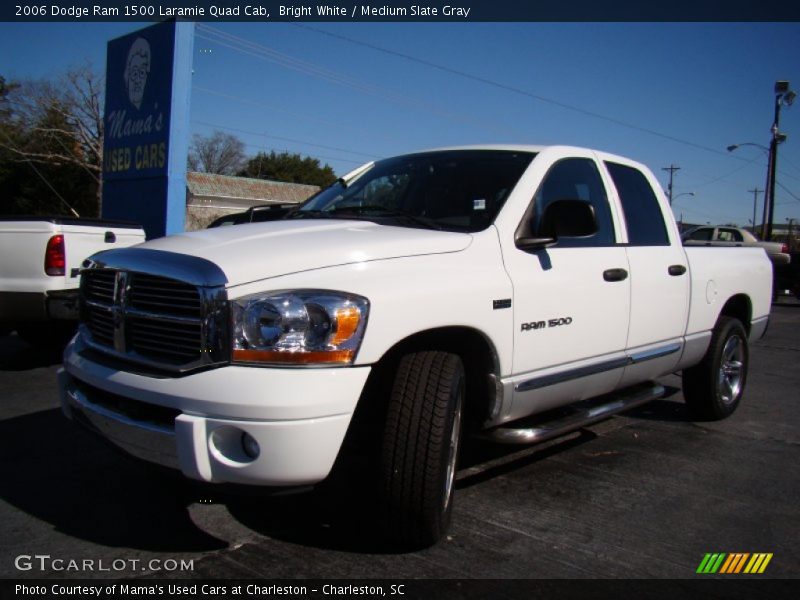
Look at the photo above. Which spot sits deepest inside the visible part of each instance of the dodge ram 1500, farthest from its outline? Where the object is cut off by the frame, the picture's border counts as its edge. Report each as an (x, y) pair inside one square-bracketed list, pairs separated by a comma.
[(474, 290)]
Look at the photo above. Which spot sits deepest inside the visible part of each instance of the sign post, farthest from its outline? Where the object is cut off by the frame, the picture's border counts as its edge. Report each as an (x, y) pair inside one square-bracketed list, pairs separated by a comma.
[(146, 137)]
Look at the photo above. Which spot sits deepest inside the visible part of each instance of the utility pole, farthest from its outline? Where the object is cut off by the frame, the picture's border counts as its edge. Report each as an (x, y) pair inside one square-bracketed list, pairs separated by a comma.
[(783, 95), (671, 169), (790, 240), (755, 193)]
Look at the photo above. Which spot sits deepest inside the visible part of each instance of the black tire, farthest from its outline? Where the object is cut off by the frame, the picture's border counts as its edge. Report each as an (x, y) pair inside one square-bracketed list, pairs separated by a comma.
[(420, 447), (714, 387)]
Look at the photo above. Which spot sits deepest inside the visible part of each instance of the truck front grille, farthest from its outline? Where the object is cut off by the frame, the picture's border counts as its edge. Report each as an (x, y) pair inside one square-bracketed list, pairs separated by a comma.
[(151, 319), (162, 295), (100, 286)]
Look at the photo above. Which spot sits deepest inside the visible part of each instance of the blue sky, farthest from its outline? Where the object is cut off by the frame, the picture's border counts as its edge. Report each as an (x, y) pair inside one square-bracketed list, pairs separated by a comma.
[(288, 87)]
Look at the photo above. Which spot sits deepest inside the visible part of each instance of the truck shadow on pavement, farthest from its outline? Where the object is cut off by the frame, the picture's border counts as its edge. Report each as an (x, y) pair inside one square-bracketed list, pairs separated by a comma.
[(61, 475), (670, 408), (18, 355), (83, 488), (338, 515)]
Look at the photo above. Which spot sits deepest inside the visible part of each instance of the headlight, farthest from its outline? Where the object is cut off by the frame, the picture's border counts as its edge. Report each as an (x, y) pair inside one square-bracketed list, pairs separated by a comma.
[(298, 327)]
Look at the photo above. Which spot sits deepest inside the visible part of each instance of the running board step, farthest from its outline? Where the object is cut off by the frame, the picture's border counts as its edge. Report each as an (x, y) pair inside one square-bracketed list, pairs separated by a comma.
[(582, 414)]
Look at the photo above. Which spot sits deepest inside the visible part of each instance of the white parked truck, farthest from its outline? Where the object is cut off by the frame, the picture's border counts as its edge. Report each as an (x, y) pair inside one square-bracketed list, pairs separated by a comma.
[(40, 262), (462, 290)]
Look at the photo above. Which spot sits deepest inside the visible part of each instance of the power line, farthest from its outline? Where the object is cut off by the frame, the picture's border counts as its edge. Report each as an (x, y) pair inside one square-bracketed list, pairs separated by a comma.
[(273, 107), (39, 173), (512, 89), (275, 149), (261, 52), (787, 190), (279, 109), (728, 174), (285, 139)]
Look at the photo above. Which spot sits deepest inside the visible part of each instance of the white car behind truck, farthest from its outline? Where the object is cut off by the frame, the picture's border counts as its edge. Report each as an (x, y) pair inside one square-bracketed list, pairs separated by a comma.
[(733, 237), (40, 262), (465, 290)]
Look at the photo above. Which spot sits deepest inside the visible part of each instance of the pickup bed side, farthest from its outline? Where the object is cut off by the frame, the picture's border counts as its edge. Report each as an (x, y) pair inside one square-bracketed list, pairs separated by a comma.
[(29, 294)]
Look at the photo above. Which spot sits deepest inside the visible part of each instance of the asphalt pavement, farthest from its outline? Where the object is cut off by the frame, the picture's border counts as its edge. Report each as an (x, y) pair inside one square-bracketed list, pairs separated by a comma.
[(643, 495)]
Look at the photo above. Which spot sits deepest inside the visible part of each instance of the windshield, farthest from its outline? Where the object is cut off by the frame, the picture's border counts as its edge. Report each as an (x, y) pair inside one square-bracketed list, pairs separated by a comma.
[(453, 190)]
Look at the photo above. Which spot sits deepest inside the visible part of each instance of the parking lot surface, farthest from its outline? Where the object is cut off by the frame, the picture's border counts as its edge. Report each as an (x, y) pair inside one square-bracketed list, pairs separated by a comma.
[(643, 495)]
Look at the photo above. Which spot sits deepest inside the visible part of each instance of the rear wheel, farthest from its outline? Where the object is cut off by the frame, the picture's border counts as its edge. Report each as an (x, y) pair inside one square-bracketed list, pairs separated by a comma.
[(420, 446), (714, 388)]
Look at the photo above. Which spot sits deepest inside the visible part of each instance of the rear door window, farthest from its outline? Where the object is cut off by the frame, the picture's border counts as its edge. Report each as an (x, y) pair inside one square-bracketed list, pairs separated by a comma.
[(643, 216)]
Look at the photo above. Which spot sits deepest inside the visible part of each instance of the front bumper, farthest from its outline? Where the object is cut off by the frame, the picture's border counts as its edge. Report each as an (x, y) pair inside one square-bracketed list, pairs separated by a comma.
[(195, 423)]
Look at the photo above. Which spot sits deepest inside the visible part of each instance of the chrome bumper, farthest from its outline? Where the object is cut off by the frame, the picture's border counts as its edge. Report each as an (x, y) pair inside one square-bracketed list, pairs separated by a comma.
[(148, 441)]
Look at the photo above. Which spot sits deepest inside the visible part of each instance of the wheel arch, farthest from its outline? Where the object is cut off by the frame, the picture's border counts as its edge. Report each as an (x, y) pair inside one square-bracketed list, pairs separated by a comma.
[(739, 307), (477, 352)]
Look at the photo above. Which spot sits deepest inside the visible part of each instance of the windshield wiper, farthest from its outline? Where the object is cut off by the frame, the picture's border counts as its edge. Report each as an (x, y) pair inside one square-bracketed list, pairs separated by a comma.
[(388, 212), (309, 214)]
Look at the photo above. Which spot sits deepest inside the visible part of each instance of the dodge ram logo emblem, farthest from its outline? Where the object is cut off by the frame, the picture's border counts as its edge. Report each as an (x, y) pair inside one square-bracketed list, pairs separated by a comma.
[(121, 288)]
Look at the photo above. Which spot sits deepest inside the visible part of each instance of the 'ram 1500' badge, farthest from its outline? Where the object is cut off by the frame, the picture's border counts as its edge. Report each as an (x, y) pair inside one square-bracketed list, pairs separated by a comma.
[(542, 324)]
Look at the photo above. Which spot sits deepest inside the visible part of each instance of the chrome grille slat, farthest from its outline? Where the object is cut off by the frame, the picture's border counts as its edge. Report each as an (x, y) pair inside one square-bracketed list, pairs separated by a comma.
[(159, 295), (164, 303), (173, 350), (102, 287), (145, 318), (161, 317), (184, 338), (164, 329)]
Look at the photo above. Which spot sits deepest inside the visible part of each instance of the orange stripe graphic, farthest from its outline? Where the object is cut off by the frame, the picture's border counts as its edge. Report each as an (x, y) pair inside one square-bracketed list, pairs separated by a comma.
[(741, 562), (728, 562)]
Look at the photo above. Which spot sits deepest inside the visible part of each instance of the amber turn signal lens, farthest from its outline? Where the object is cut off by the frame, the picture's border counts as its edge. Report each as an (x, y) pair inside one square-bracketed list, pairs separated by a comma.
[(347, 320)]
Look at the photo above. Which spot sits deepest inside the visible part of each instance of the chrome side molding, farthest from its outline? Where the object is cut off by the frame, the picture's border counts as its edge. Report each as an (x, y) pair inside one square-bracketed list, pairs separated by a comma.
[(609, 365)]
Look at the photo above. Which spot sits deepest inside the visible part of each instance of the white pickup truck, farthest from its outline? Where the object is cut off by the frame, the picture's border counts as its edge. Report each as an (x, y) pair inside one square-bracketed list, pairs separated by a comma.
[(472, 290), (40, 261)]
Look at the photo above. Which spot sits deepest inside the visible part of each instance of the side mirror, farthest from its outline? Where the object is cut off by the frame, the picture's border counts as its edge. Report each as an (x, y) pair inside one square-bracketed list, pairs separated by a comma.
[(562, 218)]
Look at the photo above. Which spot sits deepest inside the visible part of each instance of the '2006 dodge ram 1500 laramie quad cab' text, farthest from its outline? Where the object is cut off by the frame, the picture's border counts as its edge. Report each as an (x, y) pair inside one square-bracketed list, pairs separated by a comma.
[(464, 289)]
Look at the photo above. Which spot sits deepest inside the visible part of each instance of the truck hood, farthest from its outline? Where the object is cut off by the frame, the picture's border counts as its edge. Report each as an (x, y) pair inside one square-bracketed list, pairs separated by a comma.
[(256, 251)]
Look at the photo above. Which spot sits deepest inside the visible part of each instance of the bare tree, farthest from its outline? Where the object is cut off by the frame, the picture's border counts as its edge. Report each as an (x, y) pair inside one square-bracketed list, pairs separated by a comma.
[(62, 122), (220, 153)]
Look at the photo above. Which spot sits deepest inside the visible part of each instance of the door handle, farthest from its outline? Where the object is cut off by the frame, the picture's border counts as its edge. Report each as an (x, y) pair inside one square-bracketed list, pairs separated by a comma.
[(677, 270), (615, 274)]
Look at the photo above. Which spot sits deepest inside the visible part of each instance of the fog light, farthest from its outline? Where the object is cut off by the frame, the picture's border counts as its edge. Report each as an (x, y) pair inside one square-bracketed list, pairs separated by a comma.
[(250, 445)]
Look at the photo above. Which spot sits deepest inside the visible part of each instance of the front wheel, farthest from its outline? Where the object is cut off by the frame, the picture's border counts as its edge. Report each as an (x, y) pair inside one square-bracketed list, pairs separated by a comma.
[(714, 388), (420, 447)]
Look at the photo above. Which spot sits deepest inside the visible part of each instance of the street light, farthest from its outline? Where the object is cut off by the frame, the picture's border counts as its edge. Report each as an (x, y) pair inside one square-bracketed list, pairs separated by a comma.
[(780, 139), (733, 147), (682, 194)]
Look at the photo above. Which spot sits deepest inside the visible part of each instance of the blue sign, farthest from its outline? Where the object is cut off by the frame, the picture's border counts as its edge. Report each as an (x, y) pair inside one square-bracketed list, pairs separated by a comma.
[(146, 136)]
